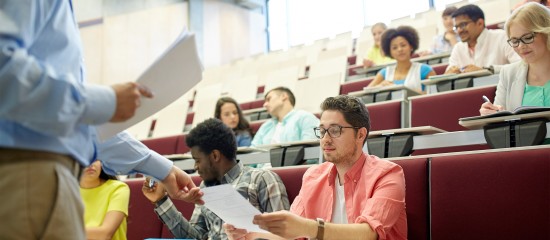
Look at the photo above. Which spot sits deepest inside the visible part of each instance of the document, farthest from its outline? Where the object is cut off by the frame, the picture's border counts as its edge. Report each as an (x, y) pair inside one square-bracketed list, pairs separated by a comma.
[(231, 207), (176, 71)]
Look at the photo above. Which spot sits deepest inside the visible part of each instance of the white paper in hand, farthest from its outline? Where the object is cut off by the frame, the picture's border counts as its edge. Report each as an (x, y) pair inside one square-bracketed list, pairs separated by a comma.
[(169, 77), (231, 207)]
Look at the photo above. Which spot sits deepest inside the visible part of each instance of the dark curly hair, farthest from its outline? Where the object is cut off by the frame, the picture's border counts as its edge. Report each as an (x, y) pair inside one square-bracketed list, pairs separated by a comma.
[(472, 11), (243, 125), (409, 33), (212, 135), (354, 110)]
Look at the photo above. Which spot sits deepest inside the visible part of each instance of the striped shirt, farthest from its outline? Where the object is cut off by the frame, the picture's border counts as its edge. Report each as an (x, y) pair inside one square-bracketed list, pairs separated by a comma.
[(263, 189)]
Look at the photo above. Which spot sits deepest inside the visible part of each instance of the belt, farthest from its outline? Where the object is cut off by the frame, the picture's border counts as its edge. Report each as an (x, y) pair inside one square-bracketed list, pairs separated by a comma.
[(11, 155)]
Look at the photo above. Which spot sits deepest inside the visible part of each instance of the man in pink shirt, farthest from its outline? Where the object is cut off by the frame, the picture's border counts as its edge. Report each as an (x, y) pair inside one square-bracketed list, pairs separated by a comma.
[(352, 195)]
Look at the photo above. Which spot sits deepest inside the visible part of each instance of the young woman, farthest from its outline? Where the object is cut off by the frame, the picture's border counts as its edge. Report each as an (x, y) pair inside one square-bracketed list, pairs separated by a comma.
[(525, 83), (375, 55), (400, 44), (105, 203), (229, 112)]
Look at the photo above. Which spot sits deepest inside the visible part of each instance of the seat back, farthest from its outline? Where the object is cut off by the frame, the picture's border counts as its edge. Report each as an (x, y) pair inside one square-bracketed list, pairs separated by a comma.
[(385, 115), (491, 195), (442, 110), (292, 178), (142, 220), (416, 198)]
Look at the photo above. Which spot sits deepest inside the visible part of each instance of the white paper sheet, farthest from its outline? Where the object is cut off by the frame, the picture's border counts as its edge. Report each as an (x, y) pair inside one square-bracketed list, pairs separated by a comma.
[(169, 77), (231, 207)]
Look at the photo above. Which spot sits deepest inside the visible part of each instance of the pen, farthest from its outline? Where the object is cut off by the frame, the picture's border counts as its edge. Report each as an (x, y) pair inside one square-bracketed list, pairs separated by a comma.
[(151, 183), (486, 99)]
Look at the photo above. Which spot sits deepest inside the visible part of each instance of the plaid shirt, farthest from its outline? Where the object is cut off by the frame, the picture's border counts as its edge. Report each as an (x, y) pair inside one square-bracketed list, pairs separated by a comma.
[(263, 189)]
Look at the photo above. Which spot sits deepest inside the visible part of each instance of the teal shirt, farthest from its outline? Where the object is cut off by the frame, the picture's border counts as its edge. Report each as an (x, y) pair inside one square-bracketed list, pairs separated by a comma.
[(297, 126), (538, 96)]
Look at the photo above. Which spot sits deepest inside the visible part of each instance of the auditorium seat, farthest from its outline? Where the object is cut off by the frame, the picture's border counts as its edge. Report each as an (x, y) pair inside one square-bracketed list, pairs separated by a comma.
[(354, 86), (416, 198), (386, 115), (440, 68), (292, 178), (497, 194), (142, 220), (442, 110), (165, 145)]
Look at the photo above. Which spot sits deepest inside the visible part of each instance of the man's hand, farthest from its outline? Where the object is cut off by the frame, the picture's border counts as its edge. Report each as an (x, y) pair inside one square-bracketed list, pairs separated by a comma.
[(470, 68), (180, 186), (155, 193), (234, 233), (286, 224), (453, 69), (128, 99)]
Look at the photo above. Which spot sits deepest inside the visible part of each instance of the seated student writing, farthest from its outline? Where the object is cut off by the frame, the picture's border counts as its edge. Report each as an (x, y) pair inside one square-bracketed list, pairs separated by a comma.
[(526, 82), (214, 149), (105, 203), (229, 111), (400, 44)]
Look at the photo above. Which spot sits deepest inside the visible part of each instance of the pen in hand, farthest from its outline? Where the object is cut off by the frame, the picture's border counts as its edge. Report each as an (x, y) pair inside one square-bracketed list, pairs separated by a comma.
[(486, 99)]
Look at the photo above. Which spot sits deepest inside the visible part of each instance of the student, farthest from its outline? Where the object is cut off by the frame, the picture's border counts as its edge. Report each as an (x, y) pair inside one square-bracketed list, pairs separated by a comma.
[(105, 203), (527, 82), (229, 111), (352, 194), (214, 149), (375, 55), (446, 41), (400, 44), (480, 48), (287, 124)]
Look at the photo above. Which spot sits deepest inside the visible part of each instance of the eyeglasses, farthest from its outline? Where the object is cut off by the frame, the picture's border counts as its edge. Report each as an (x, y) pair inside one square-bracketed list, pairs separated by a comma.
[(462, 25), (333, 131), (527, 38)]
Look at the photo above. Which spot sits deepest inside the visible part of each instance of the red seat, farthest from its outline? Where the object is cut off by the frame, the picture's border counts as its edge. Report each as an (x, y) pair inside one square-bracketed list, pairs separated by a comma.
[(385, 115), (189, 119), (442, 110), (164, 145), (491, 195), (354, 86), (416, 198), (142, 220), (292, 178), (440, 69)]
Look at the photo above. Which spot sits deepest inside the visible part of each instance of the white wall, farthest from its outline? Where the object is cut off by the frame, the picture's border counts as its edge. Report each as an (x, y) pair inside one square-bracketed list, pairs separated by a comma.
[(231, 32), (123, 46)]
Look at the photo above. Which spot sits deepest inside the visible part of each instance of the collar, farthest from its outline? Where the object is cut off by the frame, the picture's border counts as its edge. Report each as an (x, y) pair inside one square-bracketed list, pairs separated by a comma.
[(233, 173), (353, 174), (481, 38)]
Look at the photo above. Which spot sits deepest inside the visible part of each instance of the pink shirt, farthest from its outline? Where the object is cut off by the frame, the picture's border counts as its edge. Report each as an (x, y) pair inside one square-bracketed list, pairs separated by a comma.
[(374, 191)]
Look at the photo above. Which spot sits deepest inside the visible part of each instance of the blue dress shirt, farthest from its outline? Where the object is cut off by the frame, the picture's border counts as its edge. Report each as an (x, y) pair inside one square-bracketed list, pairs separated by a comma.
[(45, 103)]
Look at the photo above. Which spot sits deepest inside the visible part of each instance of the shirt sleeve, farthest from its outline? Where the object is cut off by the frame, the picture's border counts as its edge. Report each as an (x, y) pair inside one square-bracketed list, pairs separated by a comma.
[(387, 203), (259, 137), (32, 92), (123, 154), (272, 193), (178, 225), (383, 73), (454, 57), (120, 198), (425, 69), (309, 121)]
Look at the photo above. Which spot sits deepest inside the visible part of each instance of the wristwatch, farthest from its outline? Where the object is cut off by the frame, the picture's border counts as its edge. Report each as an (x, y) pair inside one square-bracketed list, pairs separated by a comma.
[(491, 69), (320, 229)]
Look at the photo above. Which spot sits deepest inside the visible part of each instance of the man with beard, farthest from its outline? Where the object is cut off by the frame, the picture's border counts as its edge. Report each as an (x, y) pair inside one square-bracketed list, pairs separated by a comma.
[(214, 148), (352, 195), (480, 48)]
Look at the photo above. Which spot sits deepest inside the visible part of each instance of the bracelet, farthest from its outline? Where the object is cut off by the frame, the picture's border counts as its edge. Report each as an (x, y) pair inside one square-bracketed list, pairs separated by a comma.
[(320, 229)]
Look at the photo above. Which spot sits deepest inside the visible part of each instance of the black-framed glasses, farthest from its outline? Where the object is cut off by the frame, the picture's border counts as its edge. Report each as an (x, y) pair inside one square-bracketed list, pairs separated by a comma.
[(527, 38), (462, 25), (333, 131)]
